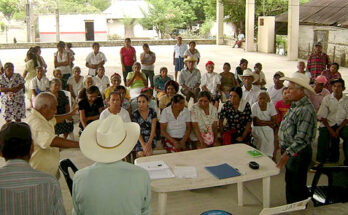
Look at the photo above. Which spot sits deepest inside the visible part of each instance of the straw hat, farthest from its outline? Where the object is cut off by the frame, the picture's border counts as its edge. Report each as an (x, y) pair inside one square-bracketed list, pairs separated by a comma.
[(190, 58), (300, 79), (109, 140), (249, 73)]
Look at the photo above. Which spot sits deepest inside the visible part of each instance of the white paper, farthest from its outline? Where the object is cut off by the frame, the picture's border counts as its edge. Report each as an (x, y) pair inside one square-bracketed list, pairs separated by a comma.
[(185, 172), (157, 169)]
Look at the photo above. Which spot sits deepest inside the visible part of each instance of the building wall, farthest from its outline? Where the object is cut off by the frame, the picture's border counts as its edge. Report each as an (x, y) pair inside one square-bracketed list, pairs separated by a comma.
[(72, 27), (16, 30), (116, 27), (337, 46)]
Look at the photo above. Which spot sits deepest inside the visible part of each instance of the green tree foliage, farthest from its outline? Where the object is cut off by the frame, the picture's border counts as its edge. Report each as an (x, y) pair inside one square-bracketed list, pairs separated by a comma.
[(9, 7)]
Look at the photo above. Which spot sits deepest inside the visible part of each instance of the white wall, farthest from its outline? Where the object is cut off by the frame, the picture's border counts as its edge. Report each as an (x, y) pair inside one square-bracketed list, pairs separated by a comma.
[(72, 27), (228, 29)]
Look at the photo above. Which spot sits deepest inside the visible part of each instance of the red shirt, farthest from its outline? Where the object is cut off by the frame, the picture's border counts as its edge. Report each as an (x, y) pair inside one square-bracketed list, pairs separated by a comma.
[(128, 55), (282, 109)]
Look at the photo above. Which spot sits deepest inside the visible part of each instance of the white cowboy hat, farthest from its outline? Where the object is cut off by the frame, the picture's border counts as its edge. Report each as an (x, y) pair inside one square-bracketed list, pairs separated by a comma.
[(249, 73), (300, 79), (109, 140)]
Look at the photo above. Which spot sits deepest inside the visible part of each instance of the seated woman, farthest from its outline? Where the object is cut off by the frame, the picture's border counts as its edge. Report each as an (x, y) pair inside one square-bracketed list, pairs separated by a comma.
[(124, 102), (175, 125), (146, 118), (331, 74), (115, 82), (265, 123), (148, 92), (161, 81), (227, 82), (75, 82), (63, 107), (211, 82), (115, 108), (101, 80), (237, 112), (90, 107), (204, 119), (57, 74), (136, 80), (170, 89), (88, 82), (40, 83)]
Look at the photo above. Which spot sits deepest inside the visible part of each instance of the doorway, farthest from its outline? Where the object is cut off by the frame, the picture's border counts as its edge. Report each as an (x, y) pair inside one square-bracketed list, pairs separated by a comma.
[(89, 29)]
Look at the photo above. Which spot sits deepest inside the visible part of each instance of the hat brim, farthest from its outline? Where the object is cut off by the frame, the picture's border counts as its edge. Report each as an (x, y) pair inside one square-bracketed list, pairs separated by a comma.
[(90, 148), (254, 77), (299, 82), (187, 60)]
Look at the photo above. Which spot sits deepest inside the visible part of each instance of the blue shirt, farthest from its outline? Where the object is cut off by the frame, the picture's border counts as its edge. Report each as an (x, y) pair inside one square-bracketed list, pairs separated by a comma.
[(159, 82), (111, 188)]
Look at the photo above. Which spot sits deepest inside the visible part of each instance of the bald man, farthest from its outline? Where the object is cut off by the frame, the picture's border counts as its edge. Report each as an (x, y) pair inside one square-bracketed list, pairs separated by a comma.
[(42, 120)]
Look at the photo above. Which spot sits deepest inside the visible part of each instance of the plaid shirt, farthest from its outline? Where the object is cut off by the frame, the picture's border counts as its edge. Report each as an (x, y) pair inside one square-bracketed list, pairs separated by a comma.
[(297, 130), (317, 64)]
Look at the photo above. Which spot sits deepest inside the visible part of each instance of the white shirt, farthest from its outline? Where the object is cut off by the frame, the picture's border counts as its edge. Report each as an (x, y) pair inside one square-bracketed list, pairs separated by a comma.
[(42, 85), (261, 77), (76, 86), (241, 36), (0, 64), (123, 114), (148, 59), (176, 127), (211, 80), (101, 83), (333, 110), (94, 59), (180, 50), (64, 69), (250, 96), (275, 94)]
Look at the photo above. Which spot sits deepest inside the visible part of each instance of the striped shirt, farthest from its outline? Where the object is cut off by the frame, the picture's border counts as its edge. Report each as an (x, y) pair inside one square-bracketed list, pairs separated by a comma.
[(25, 191), (298, 127)]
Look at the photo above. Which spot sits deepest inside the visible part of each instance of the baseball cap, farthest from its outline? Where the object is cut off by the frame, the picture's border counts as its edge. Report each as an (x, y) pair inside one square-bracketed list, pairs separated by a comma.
[(281, 74)]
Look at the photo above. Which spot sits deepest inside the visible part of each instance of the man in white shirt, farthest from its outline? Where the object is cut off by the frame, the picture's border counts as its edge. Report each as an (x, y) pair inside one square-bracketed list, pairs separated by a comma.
[(178, 56), (275, 92), (250, 94), (333, 114), (101, 80), (95, 59)]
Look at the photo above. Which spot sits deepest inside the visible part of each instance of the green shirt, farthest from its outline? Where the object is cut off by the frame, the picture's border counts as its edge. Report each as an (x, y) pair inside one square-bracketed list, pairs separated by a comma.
[(111, 188), (138, 82), (298, 128)]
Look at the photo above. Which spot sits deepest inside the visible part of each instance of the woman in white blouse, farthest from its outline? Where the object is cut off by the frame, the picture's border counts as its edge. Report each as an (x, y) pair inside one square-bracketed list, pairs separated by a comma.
[(62, 61), (75, 82), (175, 125), (204, 118)]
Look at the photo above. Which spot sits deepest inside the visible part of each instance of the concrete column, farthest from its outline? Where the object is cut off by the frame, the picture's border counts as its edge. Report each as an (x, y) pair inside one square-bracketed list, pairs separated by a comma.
[(249, 25), (293, 29), (220, 22)]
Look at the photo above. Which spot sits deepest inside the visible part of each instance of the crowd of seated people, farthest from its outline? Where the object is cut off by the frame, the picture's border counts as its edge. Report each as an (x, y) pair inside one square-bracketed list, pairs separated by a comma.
[(228, 107)]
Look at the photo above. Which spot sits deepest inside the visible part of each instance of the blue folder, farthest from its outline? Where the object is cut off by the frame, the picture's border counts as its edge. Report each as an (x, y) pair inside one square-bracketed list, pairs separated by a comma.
[(223, 171)]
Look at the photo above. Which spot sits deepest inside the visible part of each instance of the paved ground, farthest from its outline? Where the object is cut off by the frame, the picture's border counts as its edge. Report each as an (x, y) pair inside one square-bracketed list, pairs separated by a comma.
[(197, 201)]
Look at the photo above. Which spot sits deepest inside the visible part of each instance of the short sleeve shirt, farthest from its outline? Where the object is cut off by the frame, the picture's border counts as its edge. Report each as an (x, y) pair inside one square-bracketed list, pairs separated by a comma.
[(148, 59), (138, 82), (180, 50), (41, 85), (123, 114), (263, 115), (190, 79), (335, 111), (76, 86), (211, 80), (101, 83), (145, 125), (204, 121), (275, 94), (91, 110), (94, 59), (128, 55), (160, 83), (282, 109), (14, 81), (176, 127), (236, 119)]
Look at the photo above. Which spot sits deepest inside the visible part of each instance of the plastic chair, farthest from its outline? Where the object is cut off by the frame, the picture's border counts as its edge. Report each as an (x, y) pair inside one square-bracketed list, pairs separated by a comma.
[(337, 189), (216, 212), (64, 166)]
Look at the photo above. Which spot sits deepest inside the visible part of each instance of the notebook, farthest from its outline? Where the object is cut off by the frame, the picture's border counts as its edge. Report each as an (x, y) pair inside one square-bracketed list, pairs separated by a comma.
[(223, 171), (157, 169)]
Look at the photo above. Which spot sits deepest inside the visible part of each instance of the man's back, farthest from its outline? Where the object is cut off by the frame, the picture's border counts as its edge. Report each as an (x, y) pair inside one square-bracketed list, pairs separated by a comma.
[(24, 190), (112, 188)]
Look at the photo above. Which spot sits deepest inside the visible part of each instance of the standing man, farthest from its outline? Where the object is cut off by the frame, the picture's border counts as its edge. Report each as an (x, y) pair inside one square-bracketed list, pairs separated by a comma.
[(128, 57), (190, 79), (178, 56), (333, 114), (317, 61), (42, 120), (95, 59), (296, 134), (110, 186)]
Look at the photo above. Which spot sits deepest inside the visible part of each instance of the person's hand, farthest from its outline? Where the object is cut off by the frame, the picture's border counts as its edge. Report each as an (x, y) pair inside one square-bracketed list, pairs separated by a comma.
[(283, 160), (148, 149), (333, 133), (338, 130), (239, 139), (174, 62), (177, 145)]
